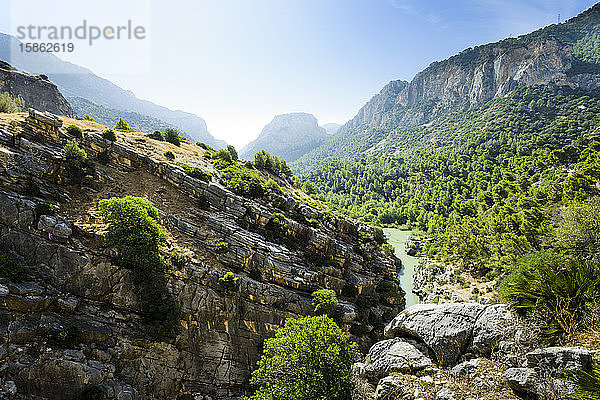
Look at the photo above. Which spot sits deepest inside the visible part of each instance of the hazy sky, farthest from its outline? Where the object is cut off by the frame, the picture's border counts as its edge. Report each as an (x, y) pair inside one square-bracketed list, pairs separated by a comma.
[(238, 63)]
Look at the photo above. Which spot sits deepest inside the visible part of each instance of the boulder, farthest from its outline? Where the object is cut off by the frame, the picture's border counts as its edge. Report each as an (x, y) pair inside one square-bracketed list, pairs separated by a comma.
[(494, 324), (445, 394), (555, 360), (396, 355), (523, 380), (464, 368), (445, 328), (390, 388)]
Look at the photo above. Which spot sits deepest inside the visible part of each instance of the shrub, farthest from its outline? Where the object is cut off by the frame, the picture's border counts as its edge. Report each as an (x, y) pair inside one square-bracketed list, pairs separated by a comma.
[(9, 269), (222, 159), (560, 291), (92, 393), (279, 167), (123, 126), (109, 134), (44, 209), (587, 383), (579, 232), (10, 104), (169, 155), (197, 173), (156, 135), (76, 131), (309, 188), (76, 162), (277, 226), (179, 259), (388, 249), (324, 302), (221, 247), (172, 136), (232, 152), (243, 181), (67, 338), (205, 146), (309, 358), (43, 76), (88, 117), (273, 186), (230, 282)]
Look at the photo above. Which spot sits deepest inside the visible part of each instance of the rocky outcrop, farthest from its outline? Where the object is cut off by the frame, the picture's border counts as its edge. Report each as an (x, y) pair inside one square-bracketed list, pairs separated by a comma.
[(288, 136), (36, 92), (76, 320), (394, 355)]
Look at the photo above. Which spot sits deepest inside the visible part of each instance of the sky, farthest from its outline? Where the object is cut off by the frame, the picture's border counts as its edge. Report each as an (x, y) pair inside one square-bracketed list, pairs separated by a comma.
[(238, 63)]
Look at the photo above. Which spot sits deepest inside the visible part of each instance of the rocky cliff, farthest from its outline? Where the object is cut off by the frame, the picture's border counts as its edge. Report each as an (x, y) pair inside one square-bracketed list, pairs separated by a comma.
[(36, 92), (288, 136), (74, 320)]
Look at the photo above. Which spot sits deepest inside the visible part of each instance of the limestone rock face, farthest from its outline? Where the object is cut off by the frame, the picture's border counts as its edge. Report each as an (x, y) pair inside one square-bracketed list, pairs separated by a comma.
[(396, 355), (445, 328), (36, 92), (495, 323), (74, 290)]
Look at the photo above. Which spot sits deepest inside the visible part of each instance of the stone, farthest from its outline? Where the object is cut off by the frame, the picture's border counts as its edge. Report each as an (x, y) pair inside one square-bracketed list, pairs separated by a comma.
[(389, 388), (554, 360), (47, 223), (523, 380), (465, 367), (445, 394), (494, 324), (396, 355), (445, 328)]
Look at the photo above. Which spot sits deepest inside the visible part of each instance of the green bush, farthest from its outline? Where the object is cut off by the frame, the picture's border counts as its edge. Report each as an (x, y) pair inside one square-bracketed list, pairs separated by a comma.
[(277, 226), (92, 393), (279, 167), (560, 291), (197, 173), (387, 249), (9, 269), (230, 282), (309, 358), (157, 135), (123, 126), (243, 181), (32, 189), (324, 301), (67, 338), (271, 185), (77, 166), (43, 76), (88, 117), (109, 134), (309, 188), (172, 136), (205, 146), (221, 247), (10, 104), (169, 155), (587, 383), (388, 289), (179, 259), (76, 131), (222, 159), (232, 152)]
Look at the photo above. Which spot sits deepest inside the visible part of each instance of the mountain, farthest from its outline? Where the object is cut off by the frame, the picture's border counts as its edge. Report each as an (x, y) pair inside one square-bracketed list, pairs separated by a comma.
[(331, 128), (287, 136), (190, 319), (76, 81), (562, 55), (35, 91)]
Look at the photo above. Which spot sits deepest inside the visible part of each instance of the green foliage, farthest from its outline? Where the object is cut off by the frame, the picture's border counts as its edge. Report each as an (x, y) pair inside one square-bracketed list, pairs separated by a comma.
[(134, 231), (169, 155), (10, 104), (179, 259), (324, 302), (221, 247), (92, 393), (309, 358), (277, 227), (66, 338), (9, 269), (579, 231), (387, 249), (273, 186), (76, 131), (587, 383), (109, 134), (157, 135), (76, 163), (265, 161), (309, 188), (559, 290), (172, 136), (232, 152), (205, 147), (123, 126), (587, 48), (230, 282), (196, 172), (222, 159), (243, 181), (44, 77), (88, 117)]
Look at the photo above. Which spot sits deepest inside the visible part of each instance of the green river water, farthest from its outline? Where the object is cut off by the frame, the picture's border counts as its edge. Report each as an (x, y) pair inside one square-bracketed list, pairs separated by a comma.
[(397, 238)]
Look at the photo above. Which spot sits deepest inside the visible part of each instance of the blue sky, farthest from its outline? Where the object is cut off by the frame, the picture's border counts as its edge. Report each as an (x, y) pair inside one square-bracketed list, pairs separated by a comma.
[(237, 63)]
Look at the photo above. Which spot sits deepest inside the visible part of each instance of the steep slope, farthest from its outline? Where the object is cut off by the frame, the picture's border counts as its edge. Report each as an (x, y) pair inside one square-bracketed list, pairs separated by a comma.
[(75, 81), (331, 128), (559, 55), (288, 136), (35, 91), (75, 318)]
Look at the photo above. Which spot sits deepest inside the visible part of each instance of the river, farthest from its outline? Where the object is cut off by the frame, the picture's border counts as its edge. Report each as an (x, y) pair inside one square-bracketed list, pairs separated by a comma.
[(397, 238)]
